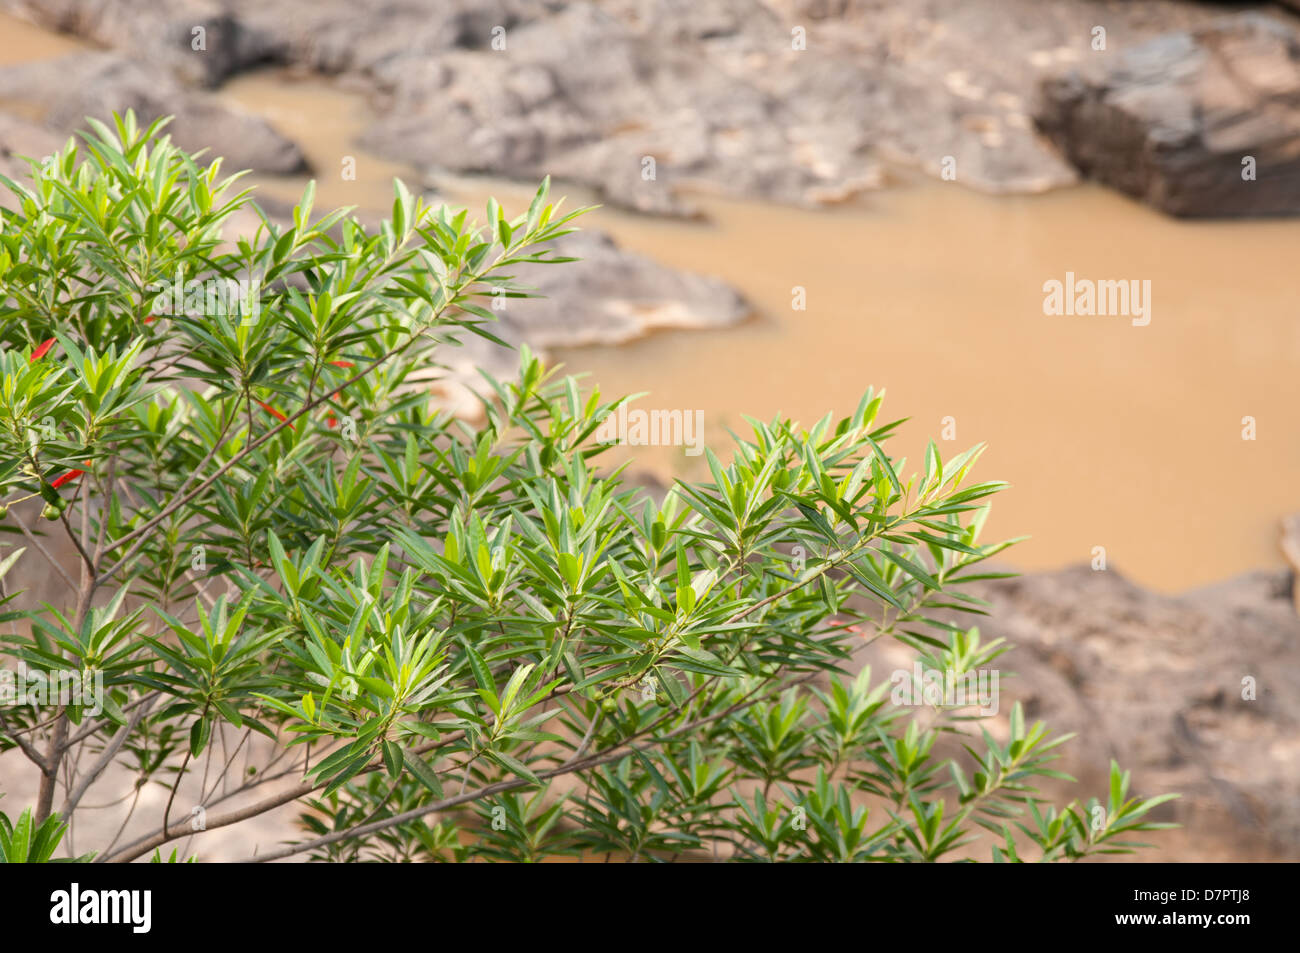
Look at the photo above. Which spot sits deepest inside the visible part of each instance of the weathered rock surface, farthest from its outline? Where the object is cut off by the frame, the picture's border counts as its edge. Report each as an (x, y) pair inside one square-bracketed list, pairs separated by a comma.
[(1157, 683), (1197, 123), (21, 140), (202, 41), (65, 91), (633, 111), (803, 101), (608, 296)]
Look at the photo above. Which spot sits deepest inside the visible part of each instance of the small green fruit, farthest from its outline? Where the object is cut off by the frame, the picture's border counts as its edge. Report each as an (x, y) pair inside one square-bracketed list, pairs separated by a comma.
[(609, 704), (661, 700), (4, 510), (51, 512)]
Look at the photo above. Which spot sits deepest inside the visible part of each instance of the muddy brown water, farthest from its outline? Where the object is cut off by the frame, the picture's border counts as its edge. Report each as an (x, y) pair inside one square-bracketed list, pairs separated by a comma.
[(1112, 435)]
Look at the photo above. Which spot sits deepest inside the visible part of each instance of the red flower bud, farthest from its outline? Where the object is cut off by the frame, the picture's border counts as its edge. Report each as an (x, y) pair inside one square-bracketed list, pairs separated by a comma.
[(272, 411), (67, 478)]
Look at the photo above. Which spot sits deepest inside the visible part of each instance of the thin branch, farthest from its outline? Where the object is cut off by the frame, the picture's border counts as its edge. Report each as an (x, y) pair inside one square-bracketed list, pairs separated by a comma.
[(126, 820), (193, 474), (140, 534), (105, 759), (27, 747), (612, 754), (88, 565), (40, 547), (95, 728)]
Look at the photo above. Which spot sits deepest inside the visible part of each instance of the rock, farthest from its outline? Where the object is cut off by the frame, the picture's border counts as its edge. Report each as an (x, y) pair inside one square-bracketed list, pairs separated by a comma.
[(1177, 122), (1289, 542), (800, 102), (609, 296), (21, 140), (644, 101), (1159, 683), (636, 104), (67, 90), (202, 41), (587, 98), (341, 36)]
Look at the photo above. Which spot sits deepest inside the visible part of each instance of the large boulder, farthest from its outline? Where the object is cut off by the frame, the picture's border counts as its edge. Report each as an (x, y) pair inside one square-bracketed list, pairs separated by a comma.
[(636, 109), (202, 41), (21, 140), (1204, 122), (645, 101), (608, 296), (63, 92)]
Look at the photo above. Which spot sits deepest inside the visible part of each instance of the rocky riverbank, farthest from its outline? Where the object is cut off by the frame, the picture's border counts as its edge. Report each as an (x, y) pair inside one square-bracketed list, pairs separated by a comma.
[(1203, 122), (805, 101)]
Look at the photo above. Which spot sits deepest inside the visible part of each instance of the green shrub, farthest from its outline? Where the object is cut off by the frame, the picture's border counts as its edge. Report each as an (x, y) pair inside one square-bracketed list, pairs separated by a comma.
[(458, 643), (29, 843)]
